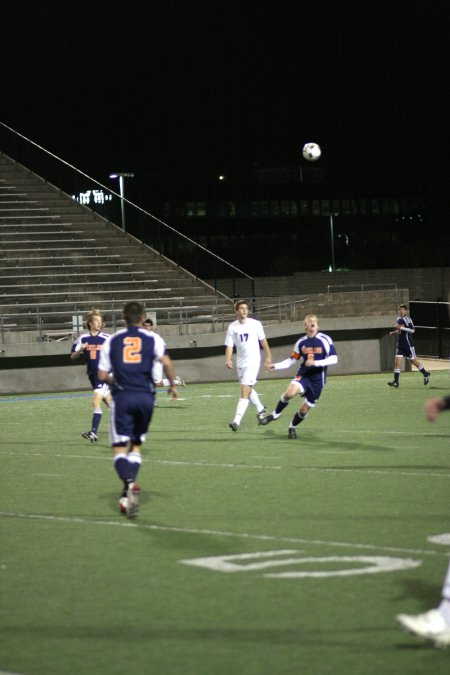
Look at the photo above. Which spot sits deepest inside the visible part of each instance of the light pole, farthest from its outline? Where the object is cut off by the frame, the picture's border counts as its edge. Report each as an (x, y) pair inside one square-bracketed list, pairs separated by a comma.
[(121, 176), (332, 242)]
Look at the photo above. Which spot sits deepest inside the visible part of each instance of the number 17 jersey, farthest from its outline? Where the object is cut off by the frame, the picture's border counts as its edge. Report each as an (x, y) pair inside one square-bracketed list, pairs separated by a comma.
[(245, 337)]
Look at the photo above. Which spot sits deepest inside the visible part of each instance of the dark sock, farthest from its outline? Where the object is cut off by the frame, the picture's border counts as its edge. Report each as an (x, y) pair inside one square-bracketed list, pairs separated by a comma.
[(96, 418), (123, 468), (297, 419), (281, 405)]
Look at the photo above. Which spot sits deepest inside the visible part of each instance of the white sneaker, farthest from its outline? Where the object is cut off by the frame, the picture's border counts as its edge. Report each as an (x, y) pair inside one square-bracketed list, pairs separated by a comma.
[(123, 504), (431, 625), (132, 508)]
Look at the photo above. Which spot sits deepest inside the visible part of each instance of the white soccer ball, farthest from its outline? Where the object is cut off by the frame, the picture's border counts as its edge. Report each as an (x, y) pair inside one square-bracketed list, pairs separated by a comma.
[(311, 151)]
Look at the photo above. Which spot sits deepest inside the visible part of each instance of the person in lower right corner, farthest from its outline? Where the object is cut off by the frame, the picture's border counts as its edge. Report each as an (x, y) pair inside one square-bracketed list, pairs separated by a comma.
[(405, 330), (315, 351), (435, 624)]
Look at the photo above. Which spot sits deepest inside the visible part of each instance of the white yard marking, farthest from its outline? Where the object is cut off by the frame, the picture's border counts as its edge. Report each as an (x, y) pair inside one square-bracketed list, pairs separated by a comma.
[(120, 522), (440, 539), (233, 563), (230, 465)]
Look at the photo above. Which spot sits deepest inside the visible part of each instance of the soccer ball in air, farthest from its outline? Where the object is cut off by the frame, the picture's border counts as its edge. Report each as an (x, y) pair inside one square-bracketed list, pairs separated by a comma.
[(311, 151)]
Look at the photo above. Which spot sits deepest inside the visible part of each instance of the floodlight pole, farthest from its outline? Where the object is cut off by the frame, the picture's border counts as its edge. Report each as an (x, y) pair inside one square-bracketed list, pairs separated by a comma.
[(121, 176), (333, 267)]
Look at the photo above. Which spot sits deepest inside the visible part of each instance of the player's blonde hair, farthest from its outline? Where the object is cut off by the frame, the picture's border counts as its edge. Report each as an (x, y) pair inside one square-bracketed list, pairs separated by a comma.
[(94, 312), (308, 317)]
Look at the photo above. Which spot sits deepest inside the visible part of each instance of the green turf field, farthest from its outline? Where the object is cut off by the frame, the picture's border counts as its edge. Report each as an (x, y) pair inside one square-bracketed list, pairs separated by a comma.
[(252, 554)]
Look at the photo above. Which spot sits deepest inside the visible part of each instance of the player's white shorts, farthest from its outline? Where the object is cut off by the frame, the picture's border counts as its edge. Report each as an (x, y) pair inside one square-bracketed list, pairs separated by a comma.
[(102, 388), (248, 375), (157, 372)]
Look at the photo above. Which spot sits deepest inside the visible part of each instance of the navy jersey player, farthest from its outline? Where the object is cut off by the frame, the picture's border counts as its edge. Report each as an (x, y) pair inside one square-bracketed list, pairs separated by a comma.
[(314, 352), (90, 344), (405, 330), (126, 363)]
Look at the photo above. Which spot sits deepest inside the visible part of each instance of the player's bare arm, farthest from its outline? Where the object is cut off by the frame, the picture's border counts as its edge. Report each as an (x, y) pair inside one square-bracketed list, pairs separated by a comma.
[(229, 357), (170, 374)]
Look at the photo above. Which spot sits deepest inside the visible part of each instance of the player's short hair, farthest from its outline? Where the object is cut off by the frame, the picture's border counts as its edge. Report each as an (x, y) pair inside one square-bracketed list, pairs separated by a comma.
[(238, 303), (403, 307), (133, 313), (94, 312), (147, 321)]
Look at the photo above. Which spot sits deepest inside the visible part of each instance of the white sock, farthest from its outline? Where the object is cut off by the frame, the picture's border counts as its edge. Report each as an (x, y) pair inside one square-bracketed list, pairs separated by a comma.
[(444, 607), (254, 399), (240, 410)]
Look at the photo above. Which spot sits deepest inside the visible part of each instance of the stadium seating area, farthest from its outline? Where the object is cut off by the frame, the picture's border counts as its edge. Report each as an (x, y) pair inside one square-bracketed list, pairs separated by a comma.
[(59, 258)]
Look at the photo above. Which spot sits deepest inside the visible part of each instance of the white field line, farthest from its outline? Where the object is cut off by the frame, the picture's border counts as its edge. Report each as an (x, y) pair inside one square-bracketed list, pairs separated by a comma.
[(219, 533), (229, 465)]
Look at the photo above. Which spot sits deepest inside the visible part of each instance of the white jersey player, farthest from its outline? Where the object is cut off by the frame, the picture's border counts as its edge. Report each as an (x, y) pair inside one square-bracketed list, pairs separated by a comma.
[(157, 371), (246, 336)]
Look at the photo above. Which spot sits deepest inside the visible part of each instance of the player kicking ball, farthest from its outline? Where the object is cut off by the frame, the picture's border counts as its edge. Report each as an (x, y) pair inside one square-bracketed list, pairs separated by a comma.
[(314, 351)]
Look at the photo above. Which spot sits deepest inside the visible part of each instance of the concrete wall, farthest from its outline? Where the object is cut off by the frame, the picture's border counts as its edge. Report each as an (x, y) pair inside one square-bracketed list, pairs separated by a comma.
[(422, 283), (362, 344)]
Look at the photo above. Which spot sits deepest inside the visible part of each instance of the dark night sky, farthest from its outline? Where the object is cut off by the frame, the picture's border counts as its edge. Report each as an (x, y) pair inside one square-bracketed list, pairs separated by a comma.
[(202, 84)]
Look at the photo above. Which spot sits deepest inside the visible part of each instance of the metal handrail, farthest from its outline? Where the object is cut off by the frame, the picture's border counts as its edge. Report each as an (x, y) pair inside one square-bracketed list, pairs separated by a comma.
[(180, 235)]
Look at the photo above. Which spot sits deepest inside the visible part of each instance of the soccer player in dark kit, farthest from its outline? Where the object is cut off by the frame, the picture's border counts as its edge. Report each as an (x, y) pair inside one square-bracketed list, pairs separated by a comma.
[(126, 364)]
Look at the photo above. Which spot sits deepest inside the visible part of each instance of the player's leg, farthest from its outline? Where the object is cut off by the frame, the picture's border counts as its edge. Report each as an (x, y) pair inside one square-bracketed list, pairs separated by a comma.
[(142, 412), (247, 380), (100, 393), (312, 394), (397, 367), (434, 624), (121, 429), (426, 374), (295, 387), (256, 401)]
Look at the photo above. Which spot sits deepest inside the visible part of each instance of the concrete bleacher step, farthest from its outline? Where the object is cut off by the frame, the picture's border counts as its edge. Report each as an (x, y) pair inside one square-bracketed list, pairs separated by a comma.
[(57, 255)]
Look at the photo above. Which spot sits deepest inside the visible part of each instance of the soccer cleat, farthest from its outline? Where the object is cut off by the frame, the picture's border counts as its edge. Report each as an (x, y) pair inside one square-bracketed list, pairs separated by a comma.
[(90, 436), (393, 384), (431, 625), (123, 504), (233, 426), (292, 433), (262, 413), (266, 420), (179, 382), (132, 498), (426, 378)]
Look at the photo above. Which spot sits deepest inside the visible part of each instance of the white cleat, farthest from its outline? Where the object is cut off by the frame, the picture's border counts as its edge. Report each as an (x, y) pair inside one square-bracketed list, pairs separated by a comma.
[(132, 508), (430, 625), (123, 504)]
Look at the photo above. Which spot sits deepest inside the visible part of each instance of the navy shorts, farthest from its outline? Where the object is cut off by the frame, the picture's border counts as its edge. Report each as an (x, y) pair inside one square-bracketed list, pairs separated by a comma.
[(312, 388), (406, 352), (131, 416)]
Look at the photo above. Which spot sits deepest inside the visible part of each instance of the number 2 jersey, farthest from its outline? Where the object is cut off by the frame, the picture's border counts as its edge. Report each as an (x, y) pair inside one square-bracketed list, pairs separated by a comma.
[(245, 337), (129, 354)]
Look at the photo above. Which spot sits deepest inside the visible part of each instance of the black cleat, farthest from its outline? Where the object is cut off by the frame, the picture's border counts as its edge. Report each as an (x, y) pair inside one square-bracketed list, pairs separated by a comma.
[(292, 433), (426, 378), (90, 436), (233, 426), (262, 413), (393, 384), (266, 420)]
